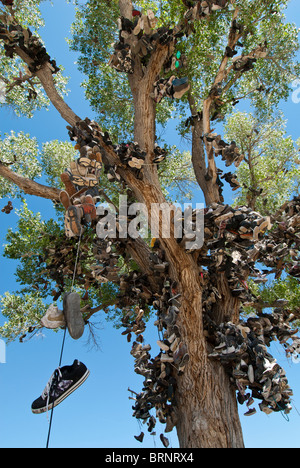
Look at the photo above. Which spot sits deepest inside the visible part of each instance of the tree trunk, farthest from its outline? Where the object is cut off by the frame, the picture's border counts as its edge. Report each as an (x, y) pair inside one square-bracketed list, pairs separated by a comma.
[(205, 400), (207, 408)]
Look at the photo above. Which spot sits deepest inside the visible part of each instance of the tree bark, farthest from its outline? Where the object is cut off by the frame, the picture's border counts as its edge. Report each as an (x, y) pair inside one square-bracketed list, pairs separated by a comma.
[(205, 400), (207, 408), (29, 186), (46, 78)]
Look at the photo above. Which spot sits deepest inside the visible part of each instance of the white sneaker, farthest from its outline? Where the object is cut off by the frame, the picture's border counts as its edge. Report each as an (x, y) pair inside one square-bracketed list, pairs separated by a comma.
[(54, 318)]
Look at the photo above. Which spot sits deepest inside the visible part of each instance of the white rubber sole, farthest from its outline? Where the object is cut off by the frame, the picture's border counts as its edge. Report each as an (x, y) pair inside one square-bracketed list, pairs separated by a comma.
[(63, 396)]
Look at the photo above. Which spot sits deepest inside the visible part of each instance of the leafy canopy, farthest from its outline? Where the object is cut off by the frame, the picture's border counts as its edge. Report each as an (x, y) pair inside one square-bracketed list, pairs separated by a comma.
[(271, 162)]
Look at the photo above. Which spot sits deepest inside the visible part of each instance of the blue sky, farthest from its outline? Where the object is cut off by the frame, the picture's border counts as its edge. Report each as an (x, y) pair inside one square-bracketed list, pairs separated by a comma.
[(99, 413)]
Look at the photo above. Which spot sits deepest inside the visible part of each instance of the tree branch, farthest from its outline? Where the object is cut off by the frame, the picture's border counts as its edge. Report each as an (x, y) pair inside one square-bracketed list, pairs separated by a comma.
[(29, 186), (46, 78)]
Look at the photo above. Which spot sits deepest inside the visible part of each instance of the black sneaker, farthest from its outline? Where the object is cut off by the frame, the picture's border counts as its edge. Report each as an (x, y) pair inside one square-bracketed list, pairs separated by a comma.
[(62, 383)]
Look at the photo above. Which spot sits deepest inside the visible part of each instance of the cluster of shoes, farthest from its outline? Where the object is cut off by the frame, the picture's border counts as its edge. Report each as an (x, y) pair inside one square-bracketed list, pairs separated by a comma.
[(88, 134), (274, 253), (190, 121), (82, 178), (175, 62), (288, 226), (291, 349), (106, 257), (60, 260), (159, 154), (131, 155), (79, 212), (280, 249), (242, 349), (159, 384), (85, 172), (134, 289), (158, 390), (134, 286), (231, 179), (137, 326), (230, 234), (197, 9), (244, 63), (14, 35), (7, 208), (200, 8), (228, 151), (170, 87), (241, 223), (281, 320), (137, 38)]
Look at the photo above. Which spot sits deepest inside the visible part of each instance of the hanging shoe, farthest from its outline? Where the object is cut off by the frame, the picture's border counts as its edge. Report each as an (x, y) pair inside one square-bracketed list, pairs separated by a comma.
[(72, 220), (180, 87), (62, 383), (164, 440), (250, 412), (140, 437), (66, 179), (89, 209), (151, 18), (65, 199), (54, 318), (8, 208), (73, 315)]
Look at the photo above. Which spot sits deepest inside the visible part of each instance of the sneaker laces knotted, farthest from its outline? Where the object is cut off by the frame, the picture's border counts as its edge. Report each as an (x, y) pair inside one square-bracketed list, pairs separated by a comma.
[(51, 387)]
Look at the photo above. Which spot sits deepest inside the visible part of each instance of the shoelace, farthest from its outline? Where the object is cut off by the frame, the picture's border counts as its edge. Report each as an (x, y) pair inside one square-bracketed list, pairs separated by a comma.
[(51, 386)]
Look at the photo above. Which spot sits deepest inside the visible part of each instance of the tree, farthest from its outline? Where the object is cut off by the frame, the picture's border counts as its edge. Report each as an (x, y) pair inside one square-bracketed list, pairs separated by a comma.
[(182, 59)]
